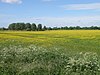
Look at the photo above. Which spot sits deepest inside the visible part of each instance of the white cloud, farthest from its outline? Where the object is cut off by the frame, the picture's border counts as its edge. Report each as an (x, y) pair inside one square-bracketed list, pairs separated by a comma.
[(71, 21), (90, 6), (12, 1), (53, 21)]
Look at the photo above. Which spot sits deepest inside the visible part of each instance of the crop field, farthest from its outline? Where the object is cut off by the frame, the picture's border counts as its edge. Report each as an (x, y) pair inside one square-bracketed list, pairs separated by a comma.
[(60, 52), (68, 41)]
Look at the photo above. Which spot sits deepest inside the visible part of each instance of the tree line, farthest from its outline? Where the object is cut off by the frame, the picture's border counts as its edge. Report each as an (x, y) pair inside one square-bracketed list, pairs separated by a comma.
[(26, 26), (76, 28), (40, 27)]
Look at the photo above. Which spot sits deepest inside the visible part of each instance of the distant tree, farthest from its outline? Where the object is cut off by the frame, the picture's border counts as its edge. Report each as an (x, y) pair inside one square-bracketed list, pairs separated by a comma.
[(71, 28), (39, 27), (28, 29), (17, 26), (22, 26), (2, 29), (55, 28), (66, 28), (44, 28), (28, 26), (78, 27), (49, 28), (85, 28), (33, 27), (12, 26), (96, 28)]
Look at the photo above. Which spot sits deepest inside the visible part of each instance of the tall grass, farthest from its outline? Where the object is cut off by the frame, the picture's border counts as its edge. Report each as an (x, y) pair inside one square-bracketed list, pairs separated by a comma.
[(35, 60)]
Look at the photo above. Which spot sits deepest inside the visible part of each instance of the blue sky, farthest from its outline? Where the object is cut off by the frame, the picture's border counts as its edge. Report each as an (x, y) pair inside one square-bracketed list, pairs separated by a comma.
[(50, 12)]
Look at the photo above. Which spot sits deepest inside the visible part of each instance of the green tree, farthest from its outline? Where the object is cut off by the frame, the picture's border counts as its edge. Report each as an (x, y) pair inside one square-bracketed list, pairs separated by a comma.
[(44, 28), (49, 28), (2, 29), (33, 27), (17, 26), (12, 26), (71, 28), (28, 29), (78, 27), (22, 26), (28, 26), (39, 27)]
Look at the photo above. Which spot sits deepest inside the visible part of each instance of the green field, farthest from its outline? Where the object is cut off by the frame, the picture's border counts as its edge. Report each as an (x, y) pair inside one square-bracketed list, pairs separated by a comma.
[(67, 42)]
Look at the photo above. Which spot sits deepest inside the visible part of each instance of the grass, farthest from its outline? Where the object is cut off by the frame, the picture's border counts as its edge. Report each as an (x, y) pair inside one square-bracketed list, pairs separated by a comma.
[(49, 52), (72, 40)]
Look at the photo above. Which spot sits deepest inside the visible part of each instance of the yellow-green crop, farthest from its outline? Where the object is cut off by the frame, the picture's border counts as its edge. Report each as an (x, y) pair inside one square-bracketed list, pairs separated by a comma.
[(66, 40), (61, 52)]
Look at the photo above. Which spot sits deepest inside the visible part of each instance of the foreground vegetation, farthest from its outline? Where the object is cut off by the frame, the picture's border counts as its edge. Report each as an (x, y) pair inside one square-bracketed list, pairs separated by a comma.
[(16, 60), (62, 52)]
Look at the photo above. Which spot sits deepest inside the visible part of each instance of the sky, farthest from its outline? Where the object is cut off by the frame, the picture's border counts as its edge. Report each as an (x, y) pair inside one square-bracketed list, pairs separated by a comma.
[(52, 13)]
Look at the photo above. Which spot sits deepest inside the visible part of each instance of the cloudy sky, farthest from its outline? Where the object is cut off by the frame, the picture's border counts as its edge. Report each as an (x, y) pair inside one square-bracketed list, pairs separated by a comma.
[(50, 12)]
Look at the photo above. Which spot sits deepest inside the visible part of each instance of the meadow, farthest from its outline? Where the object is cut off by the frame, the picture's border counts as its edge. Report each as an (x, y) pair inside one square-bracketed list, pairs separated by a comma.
[(49, 52)]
